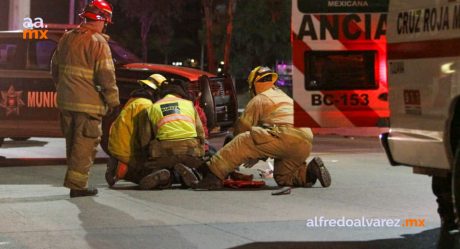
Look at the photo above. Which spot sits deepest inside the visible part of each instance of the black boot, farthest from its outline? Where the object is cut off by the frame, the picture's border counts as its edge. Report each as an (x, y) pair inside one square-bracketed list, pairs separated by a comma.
[(317, 171), (448, 240), (83, 192), (442, 189), (157, 179), (186, 174), (111, 171), (209, 181)]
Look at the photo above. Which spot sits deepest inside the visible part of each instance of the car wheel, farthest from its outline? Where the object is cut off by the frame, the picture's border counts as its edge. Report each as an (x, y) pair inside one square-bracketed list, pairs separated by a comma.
[(106, 124), (207, 101), (19, 138)]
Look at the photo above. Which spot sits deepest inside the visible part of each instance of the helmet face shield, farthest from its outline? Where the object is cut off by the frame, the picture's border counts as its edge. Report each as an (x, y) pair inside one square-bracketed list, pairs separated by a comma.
[(261, 79), (266, 78)]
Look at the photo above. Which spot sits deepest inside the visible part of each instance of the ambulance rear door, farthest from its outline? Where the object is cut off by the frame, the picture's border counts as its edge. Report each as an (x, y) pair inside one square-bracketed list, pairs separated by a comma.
[(424, 61), (339, 63)]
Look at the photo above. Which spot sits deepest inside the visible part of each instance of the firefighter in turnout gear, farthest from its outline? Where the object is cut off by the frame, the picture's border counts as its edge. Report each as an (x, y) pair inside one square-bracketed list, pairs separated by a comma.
[(179, 139), (448, 234), (128, 149), (84, 74), (266, 130)]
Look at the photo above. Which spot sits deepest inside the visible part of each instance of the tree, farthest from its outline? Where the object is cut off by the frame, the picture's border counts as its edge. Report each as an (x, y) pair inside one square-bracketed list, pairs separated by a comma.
[(208, 7), (158, 15), (218, 20), (261, 34), (231, 5)]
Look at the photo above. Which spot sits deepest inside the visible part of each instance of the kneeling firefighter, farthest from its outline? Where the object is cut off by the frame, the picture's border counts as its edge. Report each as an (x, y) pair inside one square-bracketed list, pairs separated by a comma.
[(179, 139), (266, 130), (129, 139)]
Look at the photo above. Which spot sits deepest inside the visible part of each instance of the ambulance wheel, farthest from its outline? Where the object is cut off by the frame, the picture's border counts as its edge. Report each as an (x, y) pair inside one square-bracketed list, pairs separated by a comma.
[(106, 123), (20, 138)]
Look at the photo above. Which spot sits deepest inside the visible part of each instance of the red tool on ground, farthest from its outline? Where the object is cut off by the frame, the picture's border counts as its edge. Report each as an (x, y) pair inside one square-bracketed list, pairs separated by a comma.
[(230, 183)]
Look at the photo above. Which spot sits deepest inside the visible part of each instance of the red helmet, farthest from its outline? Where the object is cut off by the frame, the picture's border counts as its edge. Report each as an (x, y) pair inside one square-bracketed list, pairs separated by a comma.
[(98, 10)]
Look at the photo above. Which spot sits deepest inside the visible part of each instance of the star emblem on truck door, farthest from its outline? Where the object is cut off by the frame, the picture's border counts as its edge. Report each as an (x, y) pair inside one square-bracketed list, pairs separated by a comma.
[(11, 100)]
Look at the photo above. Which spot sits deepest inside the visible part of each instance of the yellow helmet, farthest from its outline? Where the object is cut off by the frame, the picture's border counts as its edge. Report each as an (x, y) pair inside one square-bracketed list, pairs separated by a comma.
[(261, 79), (154, 81)]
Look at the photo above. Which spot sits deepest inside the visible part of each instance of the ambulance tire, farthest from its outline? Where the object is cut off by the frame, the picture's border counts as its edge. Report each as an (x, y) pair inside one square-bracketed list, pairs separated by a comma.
[(106, 123), (19, 138), (456, 184)]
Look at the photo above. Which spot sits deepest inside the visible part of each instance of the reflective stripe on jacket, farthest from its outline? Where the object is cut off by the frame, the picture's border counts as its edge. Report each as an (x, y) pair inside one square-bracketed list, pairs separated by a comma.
[(271, 107), (124, 142), (174, 118), (83, 71), (281, 112)]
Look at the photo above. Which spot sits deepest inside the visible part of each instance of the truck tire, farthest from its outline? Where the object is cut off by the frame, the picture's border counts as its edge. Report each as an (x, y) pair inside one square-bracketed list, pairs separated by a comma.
[(207, 102)]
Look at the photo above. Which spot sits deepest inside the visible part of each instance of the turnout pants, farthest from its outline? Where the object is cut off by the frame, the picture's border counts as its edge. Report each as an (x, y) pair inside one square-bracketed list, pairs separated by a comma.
[(289, 147), (442, 189), (135, 166), (82, 133), (166, 154)]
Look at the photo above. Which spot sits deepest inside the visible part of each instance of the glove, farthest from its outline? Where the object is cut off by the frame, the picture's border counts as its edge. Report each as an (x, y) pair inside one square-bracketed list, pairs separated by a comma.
[(250, 163)]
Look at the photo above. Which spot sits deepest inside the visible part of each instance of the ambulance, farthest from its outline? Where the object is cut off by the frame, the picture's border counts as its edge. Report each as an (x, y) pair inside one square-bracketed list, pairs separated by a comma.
[(424, 64), (339, 63), (424, 87)]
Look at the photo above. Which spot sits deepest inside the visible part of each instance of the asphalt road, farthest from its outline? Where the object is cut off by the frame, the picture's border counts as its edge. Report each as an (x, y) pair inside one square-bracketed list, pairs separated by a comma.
[(36, 211)]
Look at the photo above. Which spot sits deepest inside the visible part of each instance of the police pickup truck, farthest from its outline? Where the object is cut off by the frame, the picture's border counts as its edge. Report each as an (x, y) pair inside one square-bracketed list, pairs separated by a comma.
[(28, 96)]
